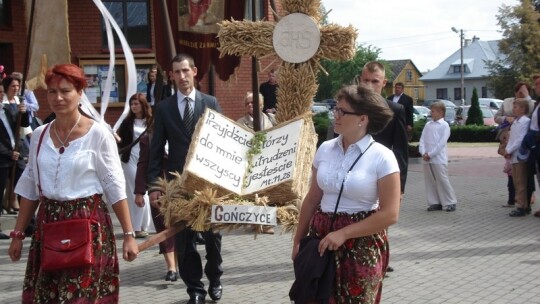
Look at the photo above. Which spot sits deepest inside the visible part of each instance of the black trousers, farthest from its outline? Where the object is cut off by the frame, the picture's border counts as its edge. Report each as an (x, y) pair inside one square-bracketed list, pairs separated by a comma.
[(533, 166), (190, 264), (511, 190), (5, 175)]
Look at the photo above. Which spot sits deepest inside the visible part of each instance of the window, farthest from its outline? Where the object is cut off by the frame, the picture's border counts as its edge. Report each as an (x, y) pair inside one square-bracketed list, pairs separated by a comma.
[(457, 69), (6, 56), (96, 71), (442, 93), (5, 13), (259, 5), (484, 92), (409, 76), (133, 18), (457, 93)]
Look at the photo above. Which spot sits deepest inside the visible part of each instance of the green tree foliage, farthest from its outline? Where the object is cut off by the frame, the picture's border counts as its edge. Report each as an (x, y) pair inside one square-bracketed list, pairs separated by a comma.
[(520, 46), (343, 73), (474, 116), (502, 79)]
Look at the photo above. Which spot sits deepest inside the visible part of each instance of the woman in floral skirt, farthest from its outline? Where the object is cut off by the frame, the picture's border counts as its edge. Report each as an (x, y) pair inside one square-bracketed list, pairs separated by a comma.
[(78, 169), (369, 203)]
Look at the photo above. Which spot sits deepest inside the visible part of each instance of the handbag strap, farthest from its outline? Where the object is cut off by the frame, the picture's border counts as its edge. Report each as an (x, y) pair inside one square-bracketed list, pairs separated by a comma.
[(342, 183), (39, 177), (37, 153), (131, 145)]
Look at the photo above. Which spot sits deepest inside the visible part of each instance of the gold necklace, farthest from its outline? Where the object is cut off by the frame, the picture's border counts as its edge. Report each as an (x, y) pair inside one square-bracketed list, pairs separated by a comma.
[(63, 142)]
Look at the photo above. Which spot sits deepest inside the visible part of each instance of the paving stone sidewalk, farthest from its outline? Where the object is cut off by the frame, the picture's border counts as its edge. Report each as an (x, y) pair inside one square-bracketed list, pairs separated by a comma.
[(477, 254)]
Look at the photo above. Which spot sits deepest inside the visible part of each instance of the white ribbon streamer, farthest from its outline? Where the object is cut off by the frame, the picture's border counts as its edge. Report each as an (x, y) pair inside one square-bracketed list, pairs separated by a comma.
[(130, 64)]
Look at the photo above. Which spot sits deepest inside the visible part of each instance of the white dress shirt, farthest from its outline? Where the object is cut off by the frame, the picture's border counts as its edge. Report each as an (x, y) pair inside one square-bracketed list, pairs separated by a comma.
[(433, 141), (396, 98), (181, 99), (518, 130)]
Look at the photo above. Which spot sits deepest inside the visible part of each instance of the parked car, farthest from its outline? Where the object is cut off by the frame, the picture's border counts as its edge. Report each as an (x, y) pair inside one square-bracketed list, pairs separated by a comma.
[(487, 114), (450, 115), (318, 107), (330, 102), (427, 103), (421, 113), (490, 103)]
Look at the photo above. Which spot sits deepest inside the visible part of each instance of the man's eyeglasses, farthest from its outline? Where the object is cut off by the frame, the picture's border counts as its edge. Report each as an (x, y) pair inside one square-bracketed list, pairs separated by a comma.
[(340, 112)]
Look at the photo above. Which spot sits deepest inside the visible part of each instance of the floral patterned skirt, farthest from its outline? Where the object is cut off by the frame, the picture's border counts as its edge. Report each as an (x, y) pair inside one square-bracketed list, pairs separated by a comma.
[(360, 263), (98, 283)]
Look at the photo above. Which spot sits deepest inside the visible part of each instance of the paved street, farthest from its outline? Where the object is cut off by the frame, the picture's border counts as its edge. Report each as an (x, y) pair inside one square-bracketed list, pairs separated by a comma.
[(477, 254)]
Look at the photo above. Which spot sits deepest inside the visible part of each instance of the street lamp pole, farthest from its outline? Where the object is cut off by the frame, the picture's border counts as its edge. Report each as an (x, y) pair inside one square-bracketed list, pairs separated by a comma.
[(461, 67)]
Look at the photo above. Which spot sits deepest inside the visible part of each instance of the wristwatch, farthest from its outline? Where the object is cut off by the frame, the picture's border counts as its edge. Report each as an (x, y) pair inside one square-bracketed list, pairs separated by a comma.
[(132, 233), (16, 234)]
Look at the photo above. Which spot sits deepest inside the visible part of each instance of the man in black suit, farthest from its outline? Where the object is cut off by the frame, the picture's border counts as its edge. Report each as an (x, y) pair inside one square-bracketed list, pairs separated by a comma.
[(8, 125), (268, 90), (394, 136), (174, 121), (150, 86), (406, 101)]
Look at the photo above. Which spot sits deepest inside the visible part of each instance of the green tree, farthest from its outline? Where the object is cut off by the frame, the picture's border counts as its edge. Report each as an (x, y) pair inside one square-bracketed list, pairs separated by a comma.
[(474, 116), (520, 46), (343, 73)]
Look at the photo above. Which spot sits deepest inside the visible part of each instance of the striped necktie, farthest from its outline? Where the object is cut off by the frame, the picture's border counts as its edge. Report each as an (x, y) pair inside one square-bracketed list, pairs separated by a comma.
[(188, 117)]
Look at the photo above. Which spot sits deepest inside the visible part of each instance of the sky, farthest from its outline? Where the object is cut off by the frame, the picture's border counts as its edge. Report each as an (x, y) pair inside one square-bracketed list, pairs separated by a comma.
[(420, 30)]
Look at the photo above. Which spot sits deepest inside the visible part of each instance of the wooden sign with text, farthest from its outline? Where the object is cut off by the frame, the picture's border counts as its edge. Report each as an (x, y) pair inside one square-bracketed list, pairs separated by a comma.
[(218, 155), (242, 214)]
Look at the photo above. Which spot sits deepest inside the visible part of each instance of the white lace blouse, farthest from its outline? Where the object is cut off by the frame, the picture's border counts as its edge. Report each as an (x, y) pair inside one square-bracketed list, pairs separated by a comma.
[(89, 165)]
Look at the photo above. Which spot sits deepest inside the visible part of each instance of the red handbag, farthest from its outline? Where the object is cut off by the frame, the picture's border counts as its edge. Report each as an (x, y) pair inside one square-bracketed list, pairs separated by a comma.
[(65, 244)]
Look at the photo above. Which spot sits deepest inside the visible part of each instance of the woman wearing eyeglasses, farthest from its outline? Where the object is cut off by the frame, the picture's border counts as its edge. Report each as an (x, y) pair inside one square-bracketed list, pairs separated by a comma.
[(369, 201)]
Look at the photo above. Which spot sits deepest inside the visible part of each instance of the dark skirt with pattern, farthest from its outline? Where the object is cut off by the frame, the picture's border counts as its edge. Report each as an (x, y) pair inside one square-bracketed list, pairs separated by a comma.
[(360, 263), (98, 283)]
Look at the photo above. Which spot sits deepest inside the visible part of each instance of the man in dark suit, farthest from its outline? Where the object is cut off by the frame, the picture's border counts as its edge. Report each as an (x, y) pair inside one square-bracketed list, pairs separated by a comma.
[(8, 125), (406, 101), (268, 90), (175, 119), (394, 136)]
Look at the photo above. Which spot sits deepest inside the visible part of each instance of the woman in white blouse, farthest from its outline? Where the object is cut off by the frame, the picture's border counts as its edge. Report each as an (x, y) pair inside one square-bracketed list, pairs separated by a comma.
[(369, 203), (79, 168), (135, 124)]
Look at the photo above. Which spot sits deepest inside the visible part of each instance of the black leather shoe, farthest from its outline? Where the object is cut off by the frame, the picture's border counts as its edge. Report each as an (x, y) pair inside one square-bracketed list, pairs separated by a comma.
[(196, 300), (3, 236), (215, 290), (171, 276)]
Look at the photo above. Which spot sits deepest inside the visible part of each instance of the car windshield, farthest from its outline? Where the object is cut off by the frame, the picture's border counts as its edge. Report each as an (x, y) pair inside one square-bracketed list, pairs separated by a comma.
[(422, 110), (319, 109), (450, 114)]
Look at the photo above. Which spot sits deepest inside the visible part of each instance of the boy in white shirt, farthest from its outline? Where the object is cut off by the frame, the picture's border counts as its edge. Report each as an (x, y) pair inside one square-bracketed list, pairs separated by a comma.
[(439, 192), (518, 130)]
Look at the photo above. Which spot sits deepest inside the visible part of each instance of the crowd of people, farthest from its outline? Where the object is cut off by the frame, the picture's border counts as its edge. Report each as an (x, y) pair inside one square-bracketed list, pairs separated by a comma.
[(354, 196)]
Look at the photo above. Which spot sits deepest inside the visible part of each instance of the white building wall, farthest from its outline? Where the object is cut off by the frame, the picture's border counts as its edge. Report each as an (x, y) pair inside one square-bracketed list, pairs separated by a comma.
[(432, 86)]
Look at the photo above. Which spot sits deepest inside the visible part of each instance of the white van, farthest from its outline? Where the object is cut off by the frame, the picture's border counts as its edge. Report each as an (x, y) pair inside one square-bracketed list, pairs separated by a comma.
[(490, 103)]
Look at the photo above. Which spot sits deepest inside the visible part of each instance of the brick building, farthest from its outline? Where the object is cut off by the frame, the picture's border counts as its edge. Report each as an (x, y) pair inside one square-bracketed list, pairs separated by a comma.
[(146, 38)]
